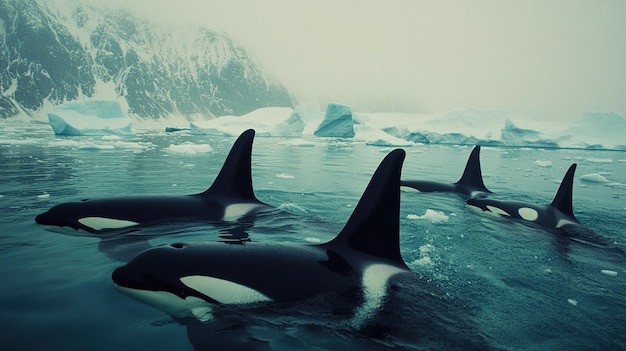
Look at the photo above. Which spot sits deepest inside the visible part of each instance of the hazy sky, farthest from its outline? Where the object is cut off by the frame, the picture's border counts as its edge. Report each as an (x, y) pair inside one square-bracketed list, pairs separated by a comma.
[(545, 58)]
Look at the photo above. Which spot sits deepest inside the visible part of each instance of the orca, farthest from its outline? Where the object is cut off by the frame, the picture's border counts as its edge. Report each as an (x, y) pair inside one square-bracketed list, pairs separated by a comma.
[(557, 214), (192, 280), (230, 197), (471, 182)]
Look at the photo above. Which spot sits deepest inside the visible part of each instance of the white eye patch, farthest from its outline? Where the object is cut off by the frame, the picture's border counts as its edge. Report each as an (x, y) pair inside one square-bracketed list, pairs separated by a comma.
[(223, 291), (528, 214), (99, 223)]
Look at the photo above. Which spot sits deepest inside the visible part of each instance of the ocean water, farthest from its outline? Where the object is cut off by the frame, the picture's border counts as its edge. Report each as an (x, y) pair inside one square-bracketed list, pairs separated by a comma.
[(480, 282)]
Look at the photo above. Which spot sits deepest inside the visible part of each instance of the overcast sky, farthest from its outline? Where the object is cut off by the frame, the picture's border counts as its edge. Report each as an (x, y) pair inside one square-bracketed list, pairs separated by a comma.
[(551, 59)]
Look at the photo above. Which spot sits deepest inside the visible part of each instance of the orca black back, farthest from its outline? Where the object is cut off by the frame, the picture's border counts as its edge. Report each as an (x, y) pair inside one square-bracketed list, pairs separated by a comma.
[(563, 199), (472, 175), (235, 177), (374, 226)]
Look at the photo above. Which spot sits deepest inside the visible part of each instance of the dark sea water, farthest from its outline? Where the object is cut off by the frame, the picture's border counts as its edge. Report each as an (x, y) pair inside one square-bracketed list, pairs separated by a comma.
[(479, 282)]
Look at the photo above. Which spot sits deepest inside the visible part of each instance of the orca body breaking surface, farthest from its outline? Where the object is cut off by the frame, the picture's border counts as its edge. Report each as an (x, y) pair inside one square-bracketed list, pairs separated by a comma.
[(471, 183), (230, 197), (188, 279), (557, 214)]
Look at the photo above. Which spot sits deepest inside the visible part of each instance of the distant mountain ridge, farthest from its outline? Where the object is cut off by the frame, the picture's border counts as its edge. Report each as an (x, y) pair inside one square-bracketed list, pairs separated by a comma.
[(50, 54)]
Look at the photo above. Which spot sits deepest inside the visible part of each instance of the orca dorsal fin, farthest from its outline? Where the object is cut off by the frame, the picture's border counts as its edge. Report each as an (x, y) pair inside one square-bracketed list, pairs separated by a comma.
[(472, 175), (563, 198), (235, 177), (374, 226)]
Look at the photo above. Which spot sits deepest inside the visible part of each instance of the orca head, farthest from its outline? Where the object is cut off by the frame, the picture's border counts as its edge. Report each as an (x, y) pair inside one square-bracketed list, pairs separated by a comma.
[(62, 217), (73, 217), (173, 279), (165, 292)]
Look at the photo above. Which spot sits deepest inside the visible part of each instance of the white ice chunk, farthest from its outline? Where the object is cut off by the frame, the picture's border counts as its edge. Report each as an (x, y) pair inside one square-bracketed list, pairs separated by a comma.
[(268, 121), (377, 137), (297, 142), (542, 163), (285, 176), (431, 216), (599, 160), (425, 259), (609, 272), (188, 149), (337, 123), (92, 117), (594, 178)]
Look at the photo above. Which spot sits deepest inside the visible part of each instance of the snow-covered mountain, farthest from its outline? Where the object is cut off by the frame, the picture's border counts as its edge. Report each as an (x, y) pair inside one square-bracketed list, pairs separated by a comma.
[(50, 54)]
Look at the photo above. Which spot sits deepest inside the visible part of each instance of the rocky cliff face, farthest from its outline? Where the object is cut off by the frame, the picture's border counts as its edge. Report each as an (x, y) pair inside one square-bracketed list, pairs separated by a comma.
[(50, 55)]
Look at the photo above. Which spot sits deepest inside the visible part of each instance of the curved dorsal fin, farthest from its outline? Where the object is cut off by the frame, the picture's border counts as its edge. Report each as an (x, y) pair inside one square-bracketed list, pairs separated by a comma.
[(472, 175), (563, 198), (374, 226), (235, 177)]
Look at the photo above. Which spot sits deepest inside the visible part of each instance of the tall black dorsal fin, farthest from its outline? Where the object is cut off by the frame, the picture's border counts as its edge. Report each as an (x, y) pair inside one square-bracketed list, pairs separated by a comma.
[(472, 175), (563, 198), (374, 226), (235, 177)]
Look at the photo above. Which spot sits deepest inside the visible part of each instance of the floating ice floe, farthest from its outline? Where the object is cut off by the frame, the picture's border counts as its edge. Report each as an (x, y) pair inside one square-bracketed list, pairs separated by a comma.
[(424, 259), (285, 176), (609, 272), (297, 142), (377, 137), (269, 121), (599, 160), (594, 178), (93, 117), (94, 146), (431, 216), (541, 163), (105, 143), (188, 149)]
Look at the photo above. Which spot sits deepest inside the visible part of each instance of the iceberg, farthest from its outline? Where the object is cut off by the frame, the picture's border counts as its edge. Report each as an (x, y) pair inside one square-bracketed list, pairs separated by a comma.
[(515, 136), (92, 117), (267, 121), (377, 137), (485, 127), (595, 130), (460, 127), (337, 122)]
